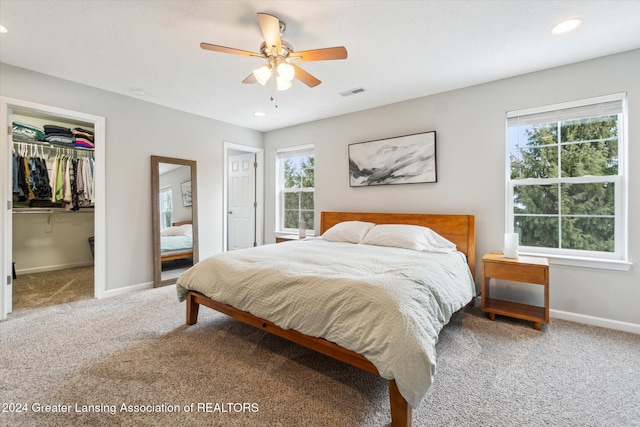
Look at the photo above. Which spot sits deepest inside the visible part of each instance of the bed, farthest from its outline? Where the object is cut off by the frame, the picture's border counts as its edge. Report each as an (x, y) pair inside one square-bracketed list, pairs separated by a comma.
[(378, 295), (176, 242)]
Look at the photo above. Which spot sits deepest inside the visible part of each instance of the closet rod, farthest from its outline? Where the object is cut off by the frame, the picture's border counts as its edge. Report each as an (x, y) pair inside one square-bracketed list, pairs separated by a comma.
[(51, 147), (47, 211)]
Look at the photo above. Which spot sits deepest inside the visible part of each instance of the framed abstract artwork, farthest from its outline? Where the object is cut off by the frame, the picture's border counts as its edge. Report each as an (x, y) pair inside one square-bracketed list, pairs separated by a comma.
[(409, 159), (185, 187)]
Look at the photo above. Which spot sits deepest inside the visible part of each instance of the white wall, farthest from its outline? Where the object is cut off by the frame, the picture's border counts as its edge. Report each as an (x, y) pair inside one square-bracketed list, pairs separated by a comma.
[(135, 130), (45, 243), (470, 127)]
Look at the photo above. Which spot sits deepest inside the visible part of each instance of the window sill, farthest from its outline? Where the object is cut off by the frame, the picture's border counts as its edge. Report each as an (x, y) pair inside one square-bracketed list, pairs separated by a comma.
[(604, 264), (290, 234)]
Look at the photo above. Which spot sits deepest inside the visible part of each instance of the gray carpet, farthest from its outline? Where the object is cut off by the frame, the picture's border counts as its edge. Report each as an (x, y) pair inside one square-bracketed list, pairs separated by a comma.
[(135, 349), (36, 290)]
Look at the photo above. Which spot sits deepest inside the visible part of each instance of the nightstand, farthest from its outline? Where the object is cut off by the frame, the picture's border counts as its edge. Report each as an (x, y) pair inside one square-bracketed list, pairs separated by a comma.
[(287, 238), (531, 270)]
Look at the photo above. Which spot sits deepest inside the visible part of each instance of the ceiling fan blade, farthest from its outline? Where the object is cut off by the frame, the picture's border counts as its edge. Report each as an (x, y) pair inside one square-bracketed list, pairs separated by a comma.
[(250, 79), (329, 53), (224, 49), (270, 26), (305, 77)]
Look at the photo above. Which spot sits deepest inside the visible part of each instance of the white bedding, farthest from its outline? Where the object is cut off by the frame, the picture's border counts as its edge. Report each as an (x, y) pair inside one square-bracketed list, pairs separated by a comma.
[(174, 243), (388, 304)]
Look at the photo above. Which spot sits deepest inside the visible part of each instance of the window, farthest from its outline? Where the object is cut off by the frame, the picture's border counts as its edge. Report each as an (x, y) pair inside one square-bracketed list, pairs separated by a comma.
[(295, 183), (166, 207), (566, 179)]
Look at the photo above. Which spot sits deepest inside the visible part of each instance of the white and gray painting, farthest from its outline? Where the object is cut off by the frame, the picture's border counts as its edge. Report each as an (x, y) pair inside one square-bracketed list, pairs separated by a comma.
[(403, 160)]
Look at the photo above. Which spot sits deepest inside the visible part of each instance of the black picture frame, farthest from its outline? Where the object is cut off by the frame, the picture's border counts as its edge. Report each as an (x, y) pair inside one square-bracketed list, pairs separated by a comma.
[(407, 159), (185, 188)]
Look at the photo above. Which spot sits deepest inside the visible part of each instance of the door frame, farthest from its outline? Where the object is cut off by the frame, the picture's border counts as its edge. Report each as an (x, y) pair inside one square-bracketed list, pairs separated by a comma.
[(259, 152), (7, 106)]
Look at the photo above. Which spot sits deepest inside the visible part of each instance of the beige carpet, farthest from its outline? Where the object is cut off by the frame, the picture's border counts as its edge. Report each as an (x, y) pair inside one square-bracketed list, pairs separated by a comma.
[(136, 350), (35, 290)]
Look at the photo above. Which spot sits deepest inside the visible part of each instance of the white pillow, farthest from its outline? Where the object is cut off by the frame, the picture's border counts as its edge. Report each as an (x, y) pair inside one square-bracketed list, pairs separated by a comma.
[(169, 231), (180, 230), (348, 231), (408, 237), (186, 229)]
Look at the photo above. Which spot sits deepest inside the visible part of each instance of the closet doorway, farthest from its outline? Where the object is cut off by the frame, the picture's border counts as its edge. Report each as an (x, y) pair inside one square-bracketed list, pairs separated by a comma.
[(243, 196), (38, 223)]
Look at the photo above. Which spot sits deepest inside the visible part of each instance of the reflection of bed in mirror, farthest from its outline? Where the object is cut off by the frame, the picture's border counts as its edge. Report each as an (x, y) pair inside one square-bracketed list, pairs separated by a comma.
[(176, 242)]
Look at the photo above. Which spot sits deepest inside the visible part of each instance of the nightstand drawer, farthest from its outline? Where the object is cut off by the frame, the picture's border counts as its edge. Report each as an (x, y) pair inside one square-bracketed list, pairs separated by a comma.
[(520, 273)]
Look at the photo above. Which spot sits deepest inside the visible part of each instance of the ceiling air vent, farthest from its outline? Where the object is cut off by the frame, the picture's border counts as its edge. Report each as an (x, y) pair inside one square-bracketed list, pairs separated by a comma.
[(352, 92)]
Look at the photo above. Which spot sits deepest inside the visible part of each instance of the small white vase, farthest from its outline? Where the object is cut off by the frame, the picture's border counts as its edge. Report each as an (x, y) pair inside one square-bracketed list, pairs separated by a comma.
[(511, 241)]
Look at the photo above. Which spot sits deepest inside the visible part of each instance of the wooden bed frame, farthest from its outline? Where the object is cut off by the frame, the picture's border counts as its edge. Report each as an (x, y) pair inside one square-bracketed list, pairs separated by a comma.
[(460, 229), (177, 255)]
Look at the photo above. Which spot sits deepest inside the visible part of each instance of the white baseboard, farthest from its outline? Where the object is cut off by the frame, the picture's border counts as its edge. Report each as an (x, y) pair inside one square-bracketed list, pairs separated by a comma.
[(54, 267), (127, 289), (595, 321)]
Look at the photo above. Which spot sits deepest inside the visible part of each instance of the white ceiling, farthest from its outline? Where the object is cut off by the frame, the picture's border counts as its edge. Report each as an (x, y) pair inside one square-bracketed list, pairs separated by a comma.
[(398, 50)]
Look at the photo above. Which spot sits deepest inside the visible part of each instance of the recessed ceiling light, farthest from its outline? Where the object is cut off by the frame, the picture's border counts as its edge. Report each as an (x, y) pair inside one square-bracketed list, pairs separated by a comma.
[(3, 29), (566, 26), (259, 114)]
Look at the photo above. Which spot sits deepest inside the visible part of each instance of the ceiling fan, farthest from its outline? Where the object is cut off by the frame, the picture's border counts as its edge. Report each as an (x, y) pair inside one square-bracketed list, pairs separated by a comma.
[(280, 56)]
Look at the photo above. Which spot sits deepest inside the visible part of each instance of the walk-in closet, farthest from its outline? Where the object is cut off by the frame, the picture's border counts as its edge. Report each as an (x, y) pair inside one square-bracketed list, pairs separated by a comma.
[(53, 205)]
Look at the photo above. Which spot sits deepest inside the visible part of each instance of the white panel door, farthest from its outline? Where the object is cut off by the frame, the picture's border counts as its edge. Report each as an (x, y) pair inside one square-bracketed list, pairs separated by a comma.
[(242, 201)]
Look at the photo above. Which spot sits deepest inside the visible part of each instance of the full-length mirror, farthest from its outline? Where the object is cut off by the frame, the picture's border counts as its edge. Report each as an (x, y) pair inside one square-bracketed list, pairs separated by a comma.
[(174, 213)]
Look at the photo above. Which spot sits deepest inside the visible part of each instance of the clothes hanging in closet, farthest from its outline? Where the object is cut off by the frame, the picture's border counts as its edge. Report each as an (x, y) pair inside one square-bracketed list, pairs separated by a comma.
[(30, 178), (71, 181), (67, 183)]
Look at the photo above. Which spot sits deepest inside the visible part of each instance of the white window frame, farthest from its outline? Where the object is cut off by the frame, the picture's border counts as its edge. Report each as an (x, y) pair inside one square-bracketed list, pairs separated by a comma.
[(616, 260), (281, 154), (163, 191)]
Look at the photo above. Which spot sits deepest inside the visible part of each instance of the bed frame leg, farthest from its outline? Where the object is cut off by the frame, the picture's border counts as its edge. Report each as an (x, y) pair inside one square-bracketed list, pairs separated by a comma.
[(192, 309), (400, 409)]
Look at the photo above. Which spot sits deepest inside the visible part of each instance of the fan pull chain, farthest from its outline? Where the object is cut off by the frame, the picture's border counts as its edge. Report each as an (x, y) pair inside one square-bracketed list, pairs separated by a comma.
[(274, 89)]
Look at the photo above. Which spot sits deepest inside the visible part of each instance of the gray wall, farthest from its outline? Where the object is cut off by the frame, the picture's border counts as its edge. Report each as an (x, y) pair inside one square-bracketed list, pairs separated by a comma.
[(174, 179), (135, 130), (470, 126)]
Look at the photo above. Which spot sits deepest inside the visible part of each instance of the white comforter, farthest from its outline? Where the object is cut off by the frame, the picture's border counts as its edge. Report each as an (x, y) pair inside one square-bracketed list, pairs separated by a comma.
[(173, 243), (387, 304)]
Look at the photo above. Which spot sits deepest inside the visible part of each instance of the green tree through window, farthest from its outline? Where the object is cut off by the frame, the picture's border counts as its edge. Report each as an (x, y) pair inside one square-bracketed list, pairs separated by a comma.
[(563, 179), (297, 182)]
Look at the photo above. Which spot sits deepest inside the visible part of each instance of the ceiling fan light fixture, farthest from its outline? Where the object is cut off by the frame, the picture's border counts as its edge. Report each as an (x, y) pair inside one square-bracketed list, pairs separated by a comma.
[(286, 71), (276, 54), (283, 84), (262, 74)]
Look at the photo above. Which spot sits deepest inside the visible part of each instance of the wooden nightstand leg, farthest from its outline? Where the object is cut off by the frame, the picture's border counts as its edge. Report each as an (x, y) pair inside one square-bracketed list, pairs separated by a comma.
[(537, 325), (492, 316)]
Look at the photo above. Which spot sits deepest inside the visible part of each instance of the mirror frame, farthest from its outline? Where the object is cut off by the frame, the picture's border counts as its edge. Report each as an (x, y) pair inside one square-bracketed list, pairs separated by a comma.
[(155, 213)]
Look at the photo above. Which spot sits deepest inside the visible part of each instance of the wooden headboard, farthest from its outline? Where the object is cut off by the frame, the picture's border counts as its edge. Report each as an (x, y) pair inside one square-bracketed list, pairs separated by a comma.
[(459, 229), (176, 224)]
